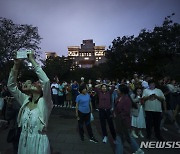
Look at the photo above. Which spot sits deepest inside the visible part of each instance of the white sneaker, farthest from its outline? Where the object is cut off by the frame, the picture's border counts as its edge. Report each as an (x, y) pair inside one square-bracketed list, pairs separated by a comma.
[(105, 139), (134, 134)]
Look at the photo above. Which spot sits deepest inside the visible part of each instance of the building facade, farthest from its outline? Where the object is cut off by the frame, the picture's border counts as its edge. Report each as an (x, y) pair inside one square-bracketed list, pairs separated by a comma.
[(87, 55), (50, 54)]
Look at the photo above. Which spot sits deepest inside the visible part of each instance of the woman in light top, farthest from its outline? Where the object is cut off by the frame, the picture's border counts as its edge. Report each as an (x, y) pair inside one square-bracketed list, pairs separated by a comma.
[(36, 105), (138, 117)]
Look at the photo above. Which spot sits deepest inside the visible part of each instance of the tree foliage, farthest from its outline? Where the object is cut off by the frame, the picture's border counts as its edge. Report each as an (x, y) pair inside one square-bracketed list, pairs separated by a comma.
[(12, 38), (57, 66), (151, 52)]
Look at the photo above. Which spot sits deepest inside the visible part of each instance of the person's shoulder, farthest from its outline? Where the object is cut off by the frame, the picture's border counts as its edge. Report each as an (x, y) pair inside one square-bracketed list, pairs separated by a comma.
[(87, 95), (78, 97), (127, 98), (158, 90), (146, 90)]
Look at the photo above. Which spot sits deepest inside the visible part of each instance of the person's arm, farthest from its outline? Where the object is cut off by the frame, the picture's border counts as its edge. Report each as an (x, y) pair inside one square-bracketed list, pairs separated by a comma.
[(45, 82), (160, 98), (77, 107), (97, 88), (77, 110), (135, 100), (98, 85), (145, 97), (12, 83)]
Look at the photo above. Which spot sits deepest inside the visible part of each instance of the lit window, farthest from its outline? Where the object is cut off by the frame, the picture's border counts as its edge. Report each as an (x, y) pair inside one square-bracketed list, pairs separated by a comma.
[(86, 58), (99, 57), (96, 59)]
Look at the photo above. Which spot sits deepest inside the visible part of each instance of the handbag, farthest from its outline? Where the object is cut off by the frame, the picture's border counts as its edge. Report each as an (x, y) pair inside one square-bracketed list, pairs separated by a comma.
[(92, 117)]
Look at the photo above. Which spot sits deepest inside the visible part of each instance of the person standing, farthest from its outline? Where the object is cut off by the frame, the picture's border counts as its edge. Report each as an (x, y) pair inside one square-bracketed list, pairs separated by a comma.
[(83, 111), (105, 109), (75, 92), (122, 114), (61, 94), (153, 99), (138, 117), (35, 109), (68, 96), (54, 90)]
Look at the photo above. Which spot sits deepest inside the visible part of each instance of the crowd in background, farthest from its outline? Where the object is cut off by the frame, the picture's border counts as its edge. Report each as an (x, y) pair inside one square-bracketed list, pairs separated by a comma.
[(151, 103)]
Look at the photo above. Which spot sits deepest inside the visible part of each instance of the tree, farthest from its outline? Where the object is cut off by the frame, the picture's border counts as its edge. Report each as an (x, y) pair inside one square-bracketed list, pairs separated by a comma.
[(151, 52), (12, 38), (57, 66)]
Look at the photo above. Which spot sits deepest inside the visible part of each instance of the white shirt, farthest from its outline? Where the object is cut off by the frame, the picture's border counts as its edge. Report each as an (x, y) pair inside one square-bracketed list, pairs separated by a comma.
[(54, 90), (153, 105)]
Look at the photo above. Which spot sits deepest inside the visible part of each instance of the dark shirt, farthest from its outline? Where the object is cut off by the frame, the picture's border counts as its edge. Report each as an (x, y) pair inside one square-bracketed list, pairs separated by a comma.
[(104, 98), (123, 108), (75, 88)]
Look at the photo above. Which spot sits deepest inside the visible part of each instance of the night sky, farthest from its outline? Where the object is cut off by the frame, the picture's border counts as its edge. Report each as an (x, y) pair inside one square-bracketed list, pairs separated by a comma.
[(64, 23)]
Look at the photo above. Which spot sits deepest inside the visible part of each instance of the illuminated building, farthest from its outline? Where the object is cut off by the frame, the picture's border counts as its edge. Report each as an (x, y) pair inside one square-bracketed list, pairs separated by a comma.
[(87, 55), (50, 54)]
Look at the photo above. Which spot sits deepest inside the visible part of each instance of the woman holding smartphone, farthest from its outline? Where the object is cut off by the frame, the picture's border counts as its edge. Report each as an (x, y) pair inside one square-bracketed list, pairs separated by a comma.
[(36, 106)]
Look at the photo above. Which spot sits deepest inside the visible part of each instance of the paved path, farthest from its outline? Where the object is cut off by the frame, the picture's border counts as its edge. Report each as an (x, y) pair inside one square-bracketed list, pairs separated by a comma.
[(64, 138)]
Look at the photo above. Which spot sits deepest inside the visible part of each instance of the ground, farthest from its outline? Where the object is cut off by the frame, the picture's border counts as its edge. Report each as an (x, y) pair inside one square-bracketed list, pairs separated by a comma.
[(64, 138)]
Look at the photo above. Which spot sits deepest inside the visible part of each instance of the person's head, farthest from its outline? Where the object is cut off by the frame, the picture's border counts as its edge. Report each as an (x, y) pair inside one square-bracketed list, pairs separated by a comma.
[(82, 89), (104, 87), (138, 91), (151, 84), (123, 90), (32, 87), (173, 81), (135, 75)]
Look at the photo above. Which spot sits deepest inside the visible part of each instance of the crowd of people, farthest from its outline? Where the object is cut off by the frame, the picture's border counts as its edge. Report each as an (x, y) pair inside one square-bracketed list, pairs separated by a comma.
[(128, 106)]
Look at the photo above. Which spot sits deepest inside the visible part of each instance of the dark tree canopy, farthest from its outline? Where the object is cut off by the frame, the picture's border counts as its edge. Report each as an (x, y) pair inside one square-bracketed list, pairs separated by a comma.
[(151, 52), (12, 38), (58, 66)]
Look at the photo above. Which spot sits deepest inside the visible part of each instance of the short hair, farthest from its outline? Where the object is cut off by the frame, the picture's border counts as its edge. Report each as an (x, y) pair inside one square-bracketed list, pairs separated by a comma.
[(81, 88), (104, 85), (123, 89), (151, 81)]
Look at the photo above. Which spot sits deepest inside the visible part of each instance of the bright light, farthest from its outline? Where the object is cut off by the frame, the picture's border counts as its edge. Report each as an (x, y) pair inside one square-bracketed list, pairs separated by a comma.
[(86, 58)]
